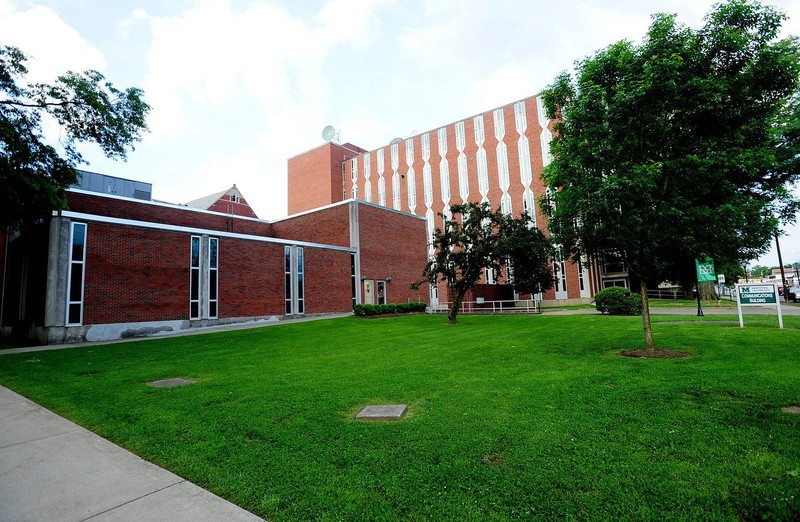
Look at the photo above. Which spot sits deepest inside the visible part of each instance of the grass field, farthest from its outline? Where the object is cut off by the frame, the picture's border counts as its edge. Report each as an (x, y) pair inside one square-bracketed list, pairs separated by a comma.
[(509, 418)]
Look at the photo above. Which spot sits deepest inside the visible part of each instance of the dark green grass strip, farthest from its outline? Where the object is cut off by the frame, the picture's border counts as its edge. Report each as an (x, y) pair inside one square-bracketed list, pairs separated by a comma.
[(510, 418)]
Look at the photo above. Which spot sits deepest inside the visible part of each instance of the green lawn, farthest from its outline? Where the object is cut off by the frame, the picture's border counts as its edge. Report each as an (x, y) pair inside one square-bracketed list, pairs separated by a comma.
[(509, 417)]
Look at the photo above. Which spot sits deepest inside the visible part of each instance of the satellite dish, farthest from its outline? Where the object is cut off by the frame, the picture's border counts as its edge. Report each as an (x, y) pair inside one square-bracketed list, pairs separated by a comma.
[(396, 141), (328, 133)]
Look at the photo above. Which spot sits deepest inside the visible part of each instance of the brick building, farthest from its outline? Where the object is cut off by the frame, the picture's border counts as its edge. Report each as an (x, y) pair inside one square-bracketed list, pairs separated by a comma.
[(116, 266), (495, 157)]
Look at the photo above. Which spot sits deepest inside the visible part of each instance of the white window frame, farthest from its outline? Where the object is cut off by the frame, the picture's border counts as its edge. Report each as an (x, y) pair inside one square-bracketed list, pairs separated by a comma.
[(212, 267), (294, 280), (195, 270), (81, 263)]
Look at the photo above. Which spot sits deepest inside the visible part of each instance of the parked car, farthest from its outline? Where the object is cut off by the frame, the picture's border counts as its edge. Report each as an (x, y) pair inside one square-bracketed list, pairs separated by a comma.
[(794, 294)]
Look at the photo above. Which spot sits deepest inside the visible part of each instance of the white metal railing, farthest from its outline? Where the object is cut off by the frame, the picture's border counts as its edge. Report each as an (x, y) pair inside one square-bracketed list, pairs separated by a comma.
[(510, 306), (665, 294)]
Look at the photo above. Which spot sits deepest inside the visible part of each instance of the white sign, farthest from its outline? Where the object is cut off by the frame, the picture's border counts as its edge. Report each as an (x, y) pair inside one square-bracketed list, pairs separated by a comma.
[(721, 278), (763, 294)]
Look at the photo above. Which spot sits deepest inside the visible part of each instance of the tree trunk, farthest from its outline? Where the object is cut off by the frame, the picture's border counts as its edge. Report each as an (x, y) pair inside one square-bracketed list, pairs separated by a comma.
[(648, 330), (452, 314), (707, 291)]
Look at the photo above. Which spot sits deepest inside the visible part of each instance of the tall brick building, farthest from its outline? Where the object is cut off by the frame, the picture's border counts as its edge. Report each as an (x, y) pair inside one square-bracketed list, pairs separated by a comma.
[(495, 157)]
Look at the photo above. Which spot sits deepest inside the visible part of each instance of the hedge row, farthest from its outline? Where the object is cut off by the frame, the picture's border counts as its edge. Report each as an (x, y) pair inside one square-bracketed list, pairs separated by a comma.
[(392, 308)]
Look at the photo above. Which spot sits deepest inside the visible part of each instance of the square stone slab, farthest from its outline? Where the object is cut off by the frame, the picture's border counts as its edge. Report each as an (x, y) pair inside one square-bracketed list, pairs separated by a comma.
[(383, 412), (170, 383)]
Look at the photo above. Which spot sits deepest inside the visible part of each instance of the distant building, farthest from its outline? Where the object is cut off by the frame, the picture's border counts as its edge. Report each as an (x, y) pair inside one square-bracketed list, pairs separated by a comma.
[(228, 202)]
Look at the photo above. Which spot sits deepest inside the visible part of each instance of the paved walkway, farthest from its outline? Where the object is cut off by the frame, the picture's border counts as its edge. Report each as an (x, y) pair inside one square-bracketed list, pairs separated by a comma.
[(52, 469)]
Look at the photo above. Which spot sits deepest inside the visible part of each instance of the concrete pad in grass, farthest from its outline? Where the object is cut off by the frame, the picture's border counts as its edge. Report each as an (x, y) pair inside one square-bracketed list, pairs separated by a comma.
[(382, 412)]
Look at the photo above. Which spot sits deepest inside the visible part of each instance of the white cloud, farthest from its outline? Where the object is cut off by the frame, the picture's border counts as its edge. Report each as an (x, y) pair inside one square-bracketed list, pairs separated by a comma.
[(52, 46)]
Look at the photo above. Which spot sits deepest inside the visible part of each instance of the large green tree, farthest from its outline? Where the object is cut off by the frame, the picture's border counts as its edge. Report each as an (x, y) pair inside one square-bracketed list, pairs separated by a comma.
[(678, 147), (33, 174), (475, 238)]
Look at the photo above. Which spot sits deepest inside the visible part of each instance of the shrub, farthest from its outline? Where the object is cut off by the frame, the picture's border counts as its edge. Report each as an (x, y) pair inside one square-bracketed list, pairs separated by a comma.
[(617, 300), (391, 308)]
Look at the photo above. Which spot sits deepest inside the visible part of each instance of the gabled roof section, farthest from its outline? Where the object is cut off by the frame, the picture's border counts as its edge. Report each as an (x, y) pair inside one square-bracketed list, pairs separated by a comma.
[(228, 201)]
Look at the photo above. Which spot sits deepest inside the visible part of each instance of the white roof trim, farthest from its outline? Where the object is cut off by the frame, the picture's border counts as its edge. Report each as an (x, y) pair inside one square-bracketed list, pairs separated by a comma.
[(164, 204), (191, 230), (347, 202)]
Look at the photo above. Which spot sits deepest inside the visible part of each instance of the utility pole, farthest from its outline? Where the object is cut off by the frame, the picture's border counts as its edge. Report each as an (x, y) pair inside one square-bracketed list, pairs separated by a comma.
[(780, 263)]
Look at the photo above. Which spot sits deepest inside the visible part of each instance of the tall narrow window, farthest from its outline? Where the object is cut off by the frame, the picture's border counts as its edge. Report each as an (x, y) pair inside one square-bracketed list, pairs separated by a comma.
[(353, 279), (427, 183), (395, 176), (499, 124), (213, 280), (461, 140), (411, 176), (77, 264), (293, 264), (287, 272), (194, 279), (560, 274), (344, 185), (483, 172), (505, 204), (367, 182), (489, 276), (480, 136), (381, 181), (354, 176), (301, 300)]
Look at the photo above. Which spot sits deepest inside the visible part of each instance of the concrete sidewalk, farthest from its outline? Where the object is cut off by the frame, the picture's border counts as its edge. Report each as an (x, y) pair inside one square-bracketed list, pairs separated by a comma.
[(52, 469)]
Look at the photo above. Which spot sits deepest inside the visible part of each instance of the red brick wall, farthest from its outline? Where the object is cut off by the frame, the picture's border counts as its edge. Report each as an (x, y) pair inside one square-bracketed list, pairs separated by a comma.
[(135, 274), (165, 214), (315, 177), (329, 226), (393, 244), (328, 283), (251, 281)]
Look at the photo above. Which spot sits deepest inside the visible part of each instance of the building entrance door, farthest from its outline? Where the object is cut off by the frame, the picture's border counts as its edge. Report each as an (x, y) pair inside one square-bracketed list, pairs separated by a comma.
[(369, 291), (381, 291)]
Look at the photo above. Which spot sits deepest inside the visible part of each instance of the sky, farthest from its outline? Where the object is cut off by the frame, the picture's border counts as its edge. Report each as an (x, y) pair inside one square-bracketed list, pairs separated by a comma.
[(237, 87)]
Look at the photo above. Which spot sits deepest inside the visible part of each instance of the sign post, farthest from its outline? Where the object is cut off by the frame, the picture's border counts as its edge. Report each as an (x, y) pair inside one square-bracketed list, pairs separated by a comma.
[(758, 295)]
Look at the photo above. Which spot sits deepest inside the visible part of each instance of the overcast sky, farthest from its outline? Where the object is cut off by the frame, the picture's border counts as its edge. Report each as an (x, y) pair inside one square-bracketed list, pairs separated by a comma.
[(238, 87)]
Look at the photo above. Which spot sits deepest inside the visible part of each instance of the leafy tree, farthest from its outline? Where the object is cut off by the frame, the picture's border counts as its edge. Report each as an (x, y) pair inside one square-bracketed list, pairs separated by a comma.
[(528, 251), (679, 147), (760, 271), (33, 175), (475, 238)]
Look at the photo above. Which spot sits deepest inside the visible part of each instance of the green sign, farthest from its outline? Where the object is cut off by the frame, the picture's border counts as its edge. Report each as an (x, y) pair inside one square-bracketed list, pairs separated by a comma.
[(705, 270), (758, 294)]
